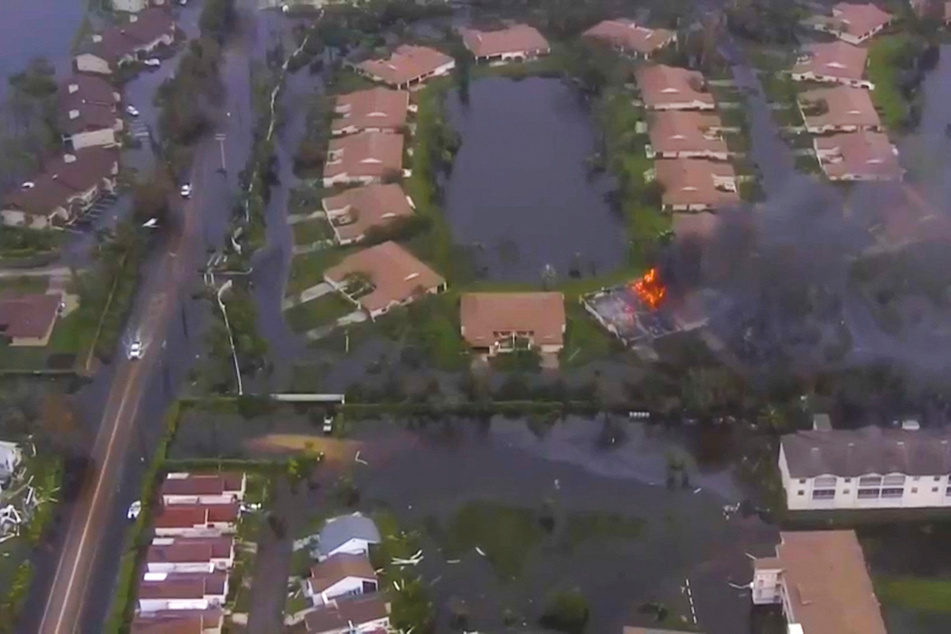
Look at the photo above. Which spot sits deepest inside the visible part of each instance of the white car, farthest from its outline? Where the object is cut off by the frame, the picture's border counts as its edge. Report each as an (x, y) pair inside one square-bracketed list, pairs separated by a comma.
[(134, 509), (186, 190), (135, 350), (132, 111), (153, 61)]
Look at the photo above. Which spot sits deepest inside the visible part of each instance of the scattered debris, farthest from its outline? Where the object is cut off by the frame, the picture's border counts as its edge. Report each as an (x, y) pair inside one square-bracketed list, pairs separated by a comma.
[(360, 460), (480, 551)]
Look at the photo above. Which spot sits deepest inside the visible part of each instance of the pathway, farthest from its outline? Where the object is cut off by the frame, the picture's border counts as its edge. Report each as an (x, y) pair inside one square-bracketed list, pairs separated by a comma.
[(306, 295), (293, 219), (356, 317)]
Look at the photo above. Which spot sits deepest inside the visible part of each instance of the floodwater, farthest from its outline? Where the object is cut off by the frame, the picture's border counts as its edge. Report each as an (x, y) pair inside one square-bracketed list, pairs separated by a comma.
[(37, 28), (519, 193)]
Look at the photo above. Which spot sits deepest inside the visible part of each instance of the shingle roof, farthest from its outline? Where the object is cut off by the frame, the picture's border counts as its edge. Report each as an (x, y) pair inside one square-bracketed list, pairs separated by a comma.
[(693, 182), (189, 549), (338, 615), (406, 64), (833, 59), (88, 116), (201, 484), (339, 530), (827, 582), (685, 131), (337, 568), (125, 39), (183, 585), (864, 154), (844, 106), (193, 515), (628, 35), (366, 154), (27, 315), (378, 108), (395, 273), (518, 38), (483, 314), (368, 206), (852, 453), (87, 88), (858, 20), (661, 85), (177, 621), (63, 178)]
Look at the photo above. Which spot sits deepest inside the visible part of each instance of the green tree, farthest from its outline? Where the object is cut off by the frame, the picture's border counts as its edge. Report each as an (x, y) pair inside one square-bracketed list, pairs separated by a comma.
[(566, 612)]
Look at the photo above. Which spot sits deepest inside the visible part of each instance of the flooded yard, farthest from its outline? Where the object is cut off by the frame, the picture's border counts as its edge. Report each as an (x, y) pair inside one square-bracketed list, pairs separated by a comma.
[(520, 194)]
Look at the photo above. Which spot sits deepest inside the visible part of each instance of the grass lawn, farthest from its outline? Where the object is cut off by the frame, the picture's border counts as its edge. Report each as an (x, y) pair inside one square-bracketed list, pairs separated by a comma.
[(778, 88), (322, 311), (506, 535), (808, 164), (25, 284), (344, 81), (915, 593), (585, 339), (787, 117), (308, 270), (311, 231), (884, 58)]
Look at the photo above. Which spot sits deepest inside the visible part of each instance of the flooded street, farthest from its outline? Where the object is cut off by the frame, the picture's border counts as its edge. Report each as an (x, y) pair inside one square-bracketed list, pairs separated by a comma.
[(519, 191)]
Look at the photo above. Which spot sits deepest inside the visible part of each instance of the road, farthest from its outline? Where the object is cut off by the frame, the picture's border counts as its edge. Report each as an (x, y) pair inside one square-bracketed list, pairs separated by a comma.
[(136, 393)]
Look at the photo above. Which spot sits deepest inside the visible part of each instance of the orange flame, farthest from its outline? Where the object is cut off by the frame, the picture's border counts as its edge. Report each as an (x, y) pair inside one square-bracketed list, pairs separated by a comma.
[(650, 289)]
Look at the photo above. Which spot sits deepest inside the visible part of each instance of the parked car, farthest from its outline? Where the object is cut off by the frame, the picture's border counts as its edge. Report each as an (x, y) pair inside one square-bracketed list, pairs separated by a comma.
[(153, 61), (134, 510), (132, 111), (135, 350), (186, 190)]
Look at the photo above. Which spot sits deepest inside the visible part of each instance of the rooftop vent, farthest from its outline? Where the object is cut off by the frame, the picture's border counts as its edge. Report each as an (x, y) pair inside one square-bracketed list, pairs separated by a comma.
[(910, 424)]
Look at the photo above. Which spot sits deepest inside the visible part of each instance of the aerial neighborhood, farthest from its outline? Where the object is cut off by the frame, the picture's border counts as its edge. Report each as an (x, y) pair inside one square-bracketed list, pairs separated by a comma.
[(571, 317)]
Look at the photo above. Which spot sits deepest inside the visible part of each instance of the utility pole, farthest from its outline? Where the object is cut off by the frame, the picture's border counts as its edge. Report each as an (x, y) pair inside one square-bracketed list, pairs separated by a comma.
[(220, 138)]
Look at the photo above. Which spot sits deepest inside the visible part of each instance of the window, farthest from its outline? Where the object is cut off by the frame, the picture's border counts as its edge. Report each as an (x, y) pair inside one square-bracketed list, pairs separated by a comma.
[(937, 478), (892, 493), (825, 481), (947, 492), (845, 492), (894, 480), (802, 481), (934, 489), (847, 480), (803, 492), (870, 481), (914, 489), (916, 478), (870, 493), (823, 494)]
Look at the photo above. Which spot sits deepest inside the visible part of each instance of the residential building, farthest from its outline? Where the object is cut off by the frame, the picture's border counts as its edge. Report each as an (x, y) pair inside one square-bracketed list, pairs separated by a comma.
[(866, 468), (838, 109), (947, 13), (210, 621), (84, 124), (364, 158), (821, 580), (505, 322), (353, 212), (382, 277), (190, 554), (144, 34), (630, 38), (852, 23), (517, 42), (373, 110), (11, 455), (130, 6), (858, 156), (350, 617), (651, 630), (196, 520), (161, 591), (670, 88), (27, 319), (68, 186), (408, 66), (686, 134), (696, 184), (833, 63), (347, 534), (88, 89), (195, 488), (339, 577)]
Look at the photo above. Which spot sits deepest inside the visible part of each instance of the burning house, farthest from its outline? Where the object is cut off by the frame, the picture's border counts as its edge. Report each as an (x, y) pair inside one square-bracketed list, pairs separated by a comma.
[(643, 311)]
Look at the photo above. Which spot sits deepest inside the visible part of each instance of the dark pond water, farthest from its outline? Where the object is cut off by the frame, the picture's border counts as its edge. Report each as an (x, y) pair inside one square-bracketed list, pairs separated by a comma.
[(519, 192), (33, 28)]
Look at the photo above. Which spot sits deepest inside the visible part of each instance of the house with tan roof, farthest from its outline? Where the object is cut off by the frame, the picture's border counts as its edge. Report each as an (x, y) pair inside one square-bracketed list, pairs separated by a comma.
[(363, 158), (28, 319), (365, 615), (190, 554), (833, 63), (630, 38), (353, 212), (210, 621), (160, 591), (373, 110), (515, 43), (838, 109), (493, 323), (203, 488), (196, 520), (87, 112), (821, 580), (68, 185), (671, 88), (852, 23), (686, 134), (696, 184), (407, 66), (339, 577), (858, 156), (142, 35), (382, 277)]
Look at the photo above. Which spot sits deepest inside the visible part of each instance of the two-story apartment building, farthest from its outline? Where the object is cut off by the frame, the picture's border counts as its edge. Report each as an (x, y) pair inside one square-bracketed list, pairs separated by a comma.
[(821, 581), (202, 488), (866, 468)]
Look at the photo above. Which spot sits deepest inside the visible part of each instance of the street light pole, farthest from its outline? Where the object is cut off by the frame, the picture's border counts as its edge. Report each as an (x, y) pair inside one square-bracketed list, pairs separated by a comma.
[(220, 137)]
